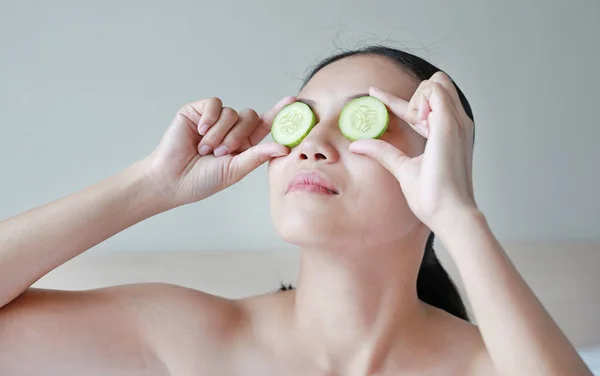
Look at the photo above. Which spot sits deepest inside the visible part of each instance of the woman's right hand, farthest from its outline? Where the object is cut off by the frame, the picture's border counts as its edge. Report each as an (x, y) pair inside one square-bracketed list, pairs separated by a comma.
[(209, 147)]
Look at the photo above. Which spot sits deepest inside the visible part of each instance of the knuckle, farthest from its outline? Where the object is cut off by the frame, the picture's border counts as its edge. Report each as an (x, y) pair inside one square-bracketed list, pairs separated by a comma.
[(413, 104), (186, 110), (250, 114), (440, 76), (229, 114), (210, 141), (436, 86), (215, 102), (233, 142), (187, 114), (212, 138), (422, 85), (210, 118), (212, 110), (439, 90)]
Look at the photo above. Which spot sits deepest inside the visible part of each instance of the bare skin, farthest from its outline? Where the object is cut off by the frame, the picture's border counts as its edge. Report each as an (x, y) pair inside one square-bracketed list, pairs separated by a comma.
[(355, 310)]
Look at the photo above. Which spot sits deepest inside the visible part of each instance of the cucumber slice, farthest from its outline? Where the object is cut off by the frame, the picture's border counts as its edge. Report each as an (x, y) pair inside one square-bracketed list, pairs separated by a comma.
[(292, 124), (364, 117)]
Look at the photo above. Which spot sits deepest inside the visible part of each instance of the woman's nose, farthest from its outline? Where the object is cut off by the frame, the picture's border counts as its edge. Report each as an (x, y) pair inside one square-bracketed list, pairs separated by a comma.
[(318, 146)]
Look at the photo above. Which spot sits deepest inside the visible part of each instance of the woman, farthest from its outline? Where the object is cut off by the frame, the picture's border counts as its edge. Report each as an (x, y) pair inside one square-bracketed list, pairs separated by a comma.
[(368, 300)]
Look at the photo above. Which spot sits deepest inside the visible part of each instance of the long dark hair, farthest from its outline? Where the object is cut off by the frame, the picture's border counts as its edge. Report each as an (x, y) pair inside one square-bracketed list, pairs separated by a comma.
[(434, 285)]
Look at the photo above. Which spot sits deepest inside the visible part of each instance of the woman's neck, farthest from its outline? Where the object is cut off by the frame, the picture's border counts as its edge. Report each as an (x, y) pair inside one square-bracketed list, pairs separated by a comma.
[(351, 305)]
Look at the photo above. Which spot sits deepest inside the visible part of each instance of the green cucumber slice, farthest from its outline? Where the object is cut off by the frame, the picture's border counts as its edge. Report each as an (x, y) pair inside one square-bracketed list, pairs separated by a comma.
[(292, 124), (363, 118)]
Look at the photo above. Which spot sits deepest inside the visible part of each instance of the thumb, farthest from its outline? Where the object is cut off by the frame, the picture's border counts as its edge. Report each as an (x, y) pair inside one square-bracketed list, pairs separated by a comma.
[(246, 162), (386, 154)]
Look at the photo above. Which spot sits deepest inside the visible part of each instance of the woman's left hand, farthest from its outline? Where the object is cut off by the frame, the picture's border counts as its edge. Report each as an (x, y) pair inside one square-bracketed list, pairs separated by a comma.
[(438, 183)]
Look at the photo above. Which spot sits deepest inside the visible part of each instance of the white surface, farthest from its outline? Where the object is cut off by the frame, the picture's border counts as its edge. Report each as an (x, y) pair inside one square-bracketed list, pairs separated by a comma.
[(89, 87)]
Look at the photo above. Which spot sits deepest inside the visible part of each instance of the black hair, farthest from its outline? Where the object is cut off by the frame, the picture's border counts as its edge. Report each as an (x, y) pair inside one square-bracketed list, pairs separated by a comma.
[(434, 285)]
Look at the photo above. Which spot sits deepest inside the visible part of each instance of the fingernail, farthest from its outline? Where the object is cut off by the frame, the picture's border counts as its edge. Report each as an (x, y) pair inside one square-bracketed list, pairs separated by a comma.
[(221, 151), (205, 149), (202, 129), (278, 154)]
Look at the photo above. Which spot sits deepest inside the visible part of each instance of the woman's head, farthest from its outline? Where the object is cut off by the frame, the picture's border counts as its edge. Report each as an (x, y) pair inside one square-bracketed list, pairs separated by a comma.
[(370, 201), (367, 208)]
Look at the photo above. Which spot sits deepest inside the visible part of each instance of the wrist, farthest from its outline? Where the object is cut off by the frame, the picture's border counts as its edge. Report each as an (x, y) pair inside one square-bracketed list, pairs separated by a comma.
[(144, 190), (459, 221)]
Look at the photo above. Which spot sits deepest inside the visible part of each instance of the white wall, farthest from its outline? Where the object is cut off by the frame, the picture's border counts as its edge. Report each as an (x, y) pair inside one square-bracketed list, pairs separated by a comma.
[(87, 87)]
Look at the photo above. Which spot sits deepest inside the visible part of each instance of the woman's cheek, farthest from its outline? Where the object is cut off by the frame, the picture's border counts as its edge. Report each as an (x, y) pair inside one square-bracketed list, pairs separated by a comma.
[(276, 167)]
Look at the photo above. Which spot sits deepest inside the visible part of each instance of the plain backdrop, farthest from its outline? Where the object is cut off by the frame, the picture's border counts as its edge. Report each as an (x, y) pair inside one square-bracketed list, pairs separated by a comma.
[(88, 87)]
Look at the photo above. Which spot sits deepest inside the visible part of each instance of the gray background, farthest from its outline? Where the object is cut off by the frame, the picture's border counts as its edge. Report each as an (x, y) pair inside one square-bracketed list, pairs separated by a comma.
[(88, 87)]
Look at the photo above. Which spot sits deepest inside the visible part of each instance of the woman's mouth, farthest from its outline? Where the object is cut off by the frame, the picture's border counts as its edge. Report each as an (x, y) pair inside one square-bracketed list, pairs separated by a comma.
[(313, 183)]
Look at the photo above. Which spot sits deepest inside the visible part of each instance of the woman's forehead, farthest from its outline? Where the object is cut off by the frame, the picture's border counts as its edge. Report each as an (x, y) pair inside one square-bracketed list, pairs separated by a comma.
[(354, 75)]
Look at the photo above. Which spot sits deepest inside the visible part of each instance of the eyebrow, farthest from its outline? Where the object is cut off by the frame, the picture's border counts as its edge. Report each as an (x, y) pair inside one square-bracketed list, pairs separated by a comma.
[(312, 103)]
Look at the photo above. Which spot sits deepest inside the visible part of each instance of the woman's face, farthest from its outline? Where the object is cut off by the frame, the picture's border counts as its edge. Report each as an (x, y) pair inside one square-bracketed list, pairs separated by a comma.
[(368, 207)]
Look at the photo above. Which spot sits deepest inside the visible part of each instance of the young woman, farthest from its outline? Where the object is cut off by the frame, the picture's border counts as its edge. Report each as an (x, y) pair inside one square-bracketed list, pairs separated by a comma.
[(371, 297)]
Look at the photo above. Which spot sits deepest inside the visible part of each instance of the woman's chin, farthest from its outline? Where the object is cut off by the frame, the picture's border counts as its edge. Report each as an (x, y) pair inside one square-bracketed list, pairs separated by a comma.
[(309, 232)]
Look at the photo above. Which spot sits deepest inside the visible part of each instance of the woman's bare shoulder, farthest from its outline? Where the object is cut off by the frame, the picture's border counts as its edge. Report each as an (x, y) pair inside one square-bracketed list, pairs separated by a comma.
[(462, 341), (134, 327)]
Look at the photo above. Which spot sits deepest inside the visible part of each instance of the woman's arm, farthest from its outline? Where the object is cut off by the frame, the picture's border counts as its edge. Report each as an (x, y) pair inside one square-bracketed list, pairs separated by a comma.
[(139, 329), (133, 330), (520, 336), (37, 241), (76, 332)]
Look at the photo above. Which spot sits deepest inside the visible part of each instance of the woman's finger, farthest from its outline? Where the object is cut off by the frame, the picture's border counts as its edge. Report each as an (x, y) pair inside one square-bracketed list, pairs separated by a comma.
[(246, 124), (400, 108), (199, 112), (443, 106), (390, 157), (443, 127), (398, 105), (244, 163), (444, 80), (438, 99), (210, 110), (423, 107), (266, 119), (214, 136), (418, 105)]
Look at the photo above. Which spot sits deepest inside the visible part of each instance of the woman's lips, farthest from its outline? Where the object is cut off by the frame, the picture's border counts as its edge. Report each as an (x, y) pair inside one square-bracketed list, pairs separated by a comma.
[(312, 182)]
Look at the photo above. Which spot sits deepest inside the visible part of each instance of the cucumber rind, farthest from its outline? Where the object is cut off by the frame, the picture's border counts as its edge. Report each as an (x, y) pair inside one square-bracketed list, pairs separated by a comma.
[(376, 131), (291, 140)]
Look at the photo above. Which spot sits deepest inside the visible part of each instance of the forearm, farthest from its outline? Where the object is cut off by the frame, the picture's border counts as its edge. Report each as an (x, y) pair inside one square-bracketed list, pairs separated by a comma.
[(521, 337), (37, 241)]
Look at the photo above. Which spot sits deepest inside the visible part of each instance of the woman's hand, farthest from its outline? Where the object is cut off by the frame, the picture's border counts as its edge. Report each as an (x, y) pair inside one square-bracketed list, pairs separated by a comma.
[(437, 183), (520, 337), (209, 147)]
